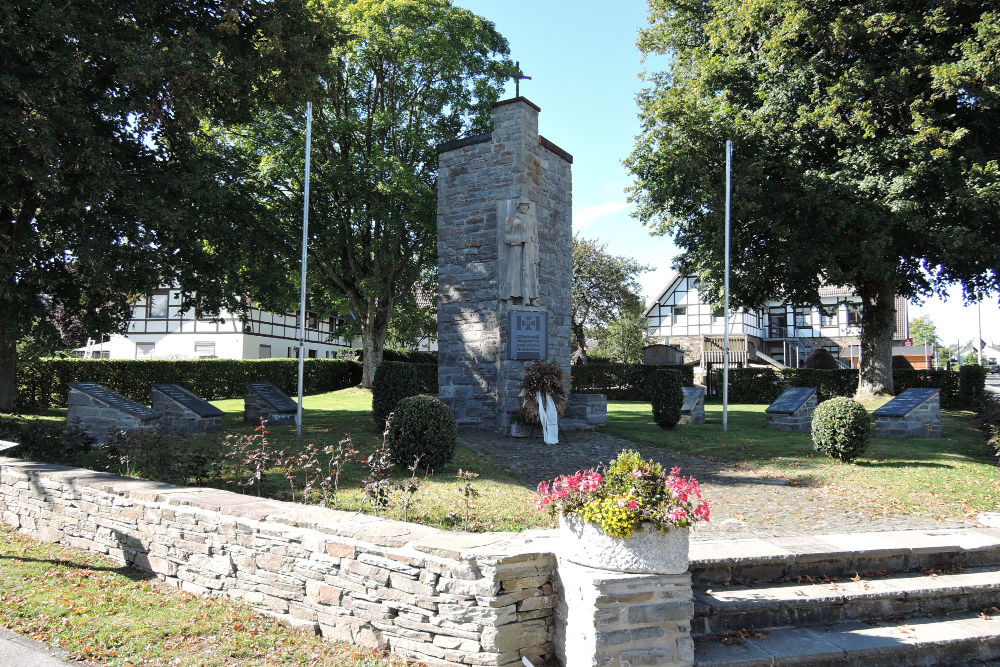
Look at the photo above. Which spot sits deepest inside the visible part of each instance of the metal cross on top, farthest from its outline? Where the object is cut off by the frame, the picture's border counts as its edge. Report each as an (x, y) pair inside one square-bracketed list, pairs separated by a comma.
[(517, 76)]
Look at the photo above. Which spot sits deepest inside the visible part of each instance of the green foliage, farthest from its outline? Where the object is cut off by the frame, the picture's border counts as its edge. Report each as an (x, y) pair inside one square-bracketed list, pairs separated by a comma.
[(751, 385), (410, 75), (971, 384), (604, 286), (841, 428), (394, 380), (668, 397), (43, 383), (624, 337), (828, 383), (622, 382), (821, 359), (422, 426), (41, 441), (866, 151), (923, 330), (110, 187)]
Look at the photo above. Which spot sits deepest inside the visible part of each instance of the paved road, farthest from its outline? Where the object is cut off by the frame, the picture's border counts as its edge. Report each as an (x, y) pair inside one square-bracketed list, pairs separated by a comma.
[(993, 383), (18, 651)]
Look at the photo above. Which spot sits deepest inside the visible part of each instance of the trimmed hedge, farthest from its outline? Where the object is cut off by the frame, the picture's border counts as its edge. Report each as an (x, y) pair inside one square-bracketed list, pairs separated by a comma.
[(668, 397), (764, 385), (42, 383), (393, 382), (393, 354), (427, 377), (623, 382), (971, 384)]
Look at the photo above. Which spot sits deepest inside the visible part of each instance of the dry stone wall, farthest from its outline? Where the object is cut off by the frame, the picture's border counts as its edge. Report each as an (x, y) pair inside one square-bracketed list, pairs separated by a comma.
[(438, 597)]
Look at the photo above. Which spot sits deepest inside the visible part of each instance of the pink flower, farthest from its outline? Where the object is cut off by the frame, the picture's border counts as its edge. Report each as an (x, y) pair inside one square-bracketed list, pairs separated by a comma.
[(637, 474), (632, 505)]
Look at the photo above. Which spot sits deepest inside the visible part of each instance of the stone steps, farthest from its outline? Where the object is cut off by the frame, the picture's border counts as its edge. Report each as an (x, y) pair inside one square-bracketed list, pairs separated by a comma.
[(904, 597)]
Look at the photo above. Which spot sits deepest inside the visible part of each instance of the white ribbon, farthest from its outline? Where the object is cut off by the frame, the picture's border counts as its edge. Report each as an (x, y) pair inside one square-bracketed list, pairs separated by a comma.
[(549, 418)]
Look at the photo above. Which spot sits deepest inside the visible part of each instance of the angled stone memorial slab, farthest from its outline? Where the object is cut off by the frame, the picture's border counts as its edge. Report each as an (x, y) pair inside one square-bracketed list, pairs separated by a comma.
[(95, 410), (793, 410), (916, 413), (263, 399), (184, 412), (693, 408)]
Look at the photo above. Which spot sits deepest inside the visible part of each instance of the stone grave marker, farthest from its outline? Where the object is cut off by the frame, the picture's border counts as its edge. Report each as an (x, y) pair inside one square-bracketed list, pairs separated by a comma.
[(505, 268), (183, 411), (693, 408), (95, 410), (793, 410), (263, 399), (916, 413)]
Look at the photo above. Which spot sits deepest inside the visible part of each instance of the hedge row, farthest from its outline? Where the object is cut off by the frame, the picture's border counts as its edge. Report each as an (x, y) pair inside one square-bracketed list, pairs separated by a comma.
[(42, 383), (764, 385), (622, 382), (392, 354)]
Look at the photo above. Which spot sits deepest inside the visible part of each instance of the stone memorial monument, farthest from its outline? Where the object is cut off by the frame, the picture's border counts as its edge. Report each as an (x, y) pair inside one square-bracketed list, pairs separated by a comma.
[(693, 408), (96, 410), (915, 413), (505, 260), (184, 412), (265, 400), (793, 411)]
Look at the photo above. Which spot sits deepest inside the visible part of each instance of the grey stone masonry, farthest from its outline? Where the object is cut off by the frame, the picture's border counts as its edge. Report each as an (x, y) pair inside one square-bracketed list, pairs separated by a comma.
[(585, 411), (693, 408), (184, 412), (479, 178), (621, 620), (793, 411), (264, 400), (95, 410), (922, 417)]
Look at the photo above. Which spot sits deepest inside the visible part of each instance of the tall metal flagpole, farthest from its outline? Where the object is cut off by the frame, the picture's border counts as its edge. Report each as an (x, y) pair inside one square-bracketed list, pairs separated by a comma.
[(302, 288), (725, 334), (979, 315)]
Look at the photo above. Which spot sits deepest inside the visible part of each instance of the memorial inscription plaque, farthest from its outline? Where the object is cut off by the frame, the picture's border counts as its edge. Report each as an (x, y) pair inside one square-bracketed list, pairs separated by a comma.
[(529, 334)]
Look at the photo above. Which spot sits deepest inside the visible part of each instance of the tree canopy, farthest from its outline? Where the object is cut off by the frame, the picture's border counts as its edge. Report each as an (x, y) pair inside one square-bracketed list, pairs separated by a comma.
[(108, 186), (604, 287), (867, 150), (411, 75), (923, 330)]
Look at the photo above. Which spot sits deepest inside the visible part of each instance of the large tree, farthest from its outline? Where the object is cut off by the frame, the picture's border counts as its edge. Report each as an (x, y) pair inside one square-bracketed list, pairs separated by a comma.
[(413, 74), (107, 185), (603, 285), (867, 139)]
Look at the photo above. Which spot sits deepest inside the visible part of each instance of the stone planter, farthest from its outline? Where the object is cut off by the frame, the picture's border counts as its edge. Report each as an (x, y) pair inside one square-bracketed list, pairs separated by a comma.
[(647, 551), (520, 430)]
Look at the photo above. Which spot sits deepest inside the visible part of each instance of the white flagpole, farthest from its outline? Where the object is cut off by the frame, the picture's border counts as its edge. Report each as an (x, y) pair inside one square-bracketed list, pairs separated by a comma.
[(302, 287), (725, 335)]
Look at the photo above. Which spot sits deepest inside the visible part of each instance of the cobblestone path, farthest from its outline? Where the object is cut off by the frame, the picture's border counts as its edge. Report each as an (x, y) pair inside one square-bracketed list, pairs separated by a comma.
[(744, 503)]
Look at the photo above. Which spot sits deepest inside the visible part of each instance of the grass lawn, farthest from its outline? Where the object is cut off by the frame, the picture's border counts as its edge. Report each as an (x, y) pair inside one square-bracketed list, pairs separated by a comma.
[(101, 612), (952, 476)]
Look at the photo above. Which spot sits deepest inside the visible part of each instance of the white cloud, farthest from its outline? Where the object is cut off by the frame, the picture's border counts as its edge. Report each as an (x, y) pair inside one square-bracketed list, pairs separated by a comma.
[(586, 216)]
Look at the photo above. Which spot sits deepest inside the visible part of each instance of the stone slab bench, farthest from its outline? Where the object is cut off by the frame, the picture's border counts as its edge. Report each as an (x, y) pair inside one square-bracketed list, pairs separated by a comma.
[(183, 411), (264, 400), (693, 408), (95, 410), (793, 410), (916, 413)]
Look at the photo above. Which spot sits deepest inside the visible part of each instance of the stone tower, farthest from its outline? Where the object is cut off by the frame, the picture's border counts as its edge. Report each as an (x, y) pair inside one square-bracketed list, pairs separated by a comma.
[(505, 261)]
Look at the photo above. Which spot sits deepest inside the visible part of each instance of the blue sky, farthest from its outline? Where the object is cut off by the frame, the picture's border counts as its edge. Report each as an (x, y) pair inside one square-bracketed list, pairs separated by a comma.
[(585, 73)]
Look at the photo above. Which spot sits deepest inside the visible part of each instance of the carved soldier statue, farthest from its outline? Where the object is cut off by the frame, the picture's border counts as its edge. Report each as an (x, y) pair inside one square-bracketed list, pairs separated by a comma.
[(520, 237)]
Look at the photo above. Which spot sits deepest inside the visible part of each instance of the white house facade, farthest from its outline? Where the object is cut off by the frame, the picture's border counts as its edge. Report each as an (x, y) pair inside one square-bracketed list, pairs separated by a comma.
[(161, 329), (779, 334)]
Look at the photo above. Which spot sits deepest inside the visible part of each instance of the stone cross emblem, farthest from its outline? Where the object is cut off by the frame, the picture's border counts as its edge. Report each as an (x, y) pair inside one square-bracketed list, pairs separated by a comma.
[(517, 76)]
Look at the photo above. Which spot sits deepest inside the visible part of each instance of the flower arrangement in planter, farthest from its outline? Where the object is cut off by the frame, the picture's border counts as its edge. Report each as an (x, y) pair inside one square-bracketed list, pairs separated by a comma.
[(632, 518), (519, 428), (543, 397)]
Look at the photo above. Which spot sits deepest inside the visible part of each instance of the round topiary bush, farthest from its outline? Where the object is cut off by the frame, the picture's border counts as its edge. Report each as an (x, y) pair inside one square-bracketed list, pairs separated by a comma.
[(394, 380), (841, 428), (421, 426), (667, 397)]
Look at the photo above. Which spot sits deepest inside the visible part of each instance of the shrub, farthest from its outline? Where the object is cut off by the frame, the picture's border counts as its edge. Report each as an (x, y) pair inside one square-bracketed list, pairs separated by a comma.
[(421, 426), (622, 382), (668, 398), (820, 358), (841, 428), (971, 384), (394, 380)]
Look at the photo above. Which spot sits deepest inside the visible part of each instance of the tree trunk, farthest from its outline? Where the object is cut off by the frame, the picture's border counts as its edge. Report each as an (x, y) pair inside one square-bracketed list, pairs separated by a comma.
[(581, 341), (372, 343), (878, 325), (8, 371)]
